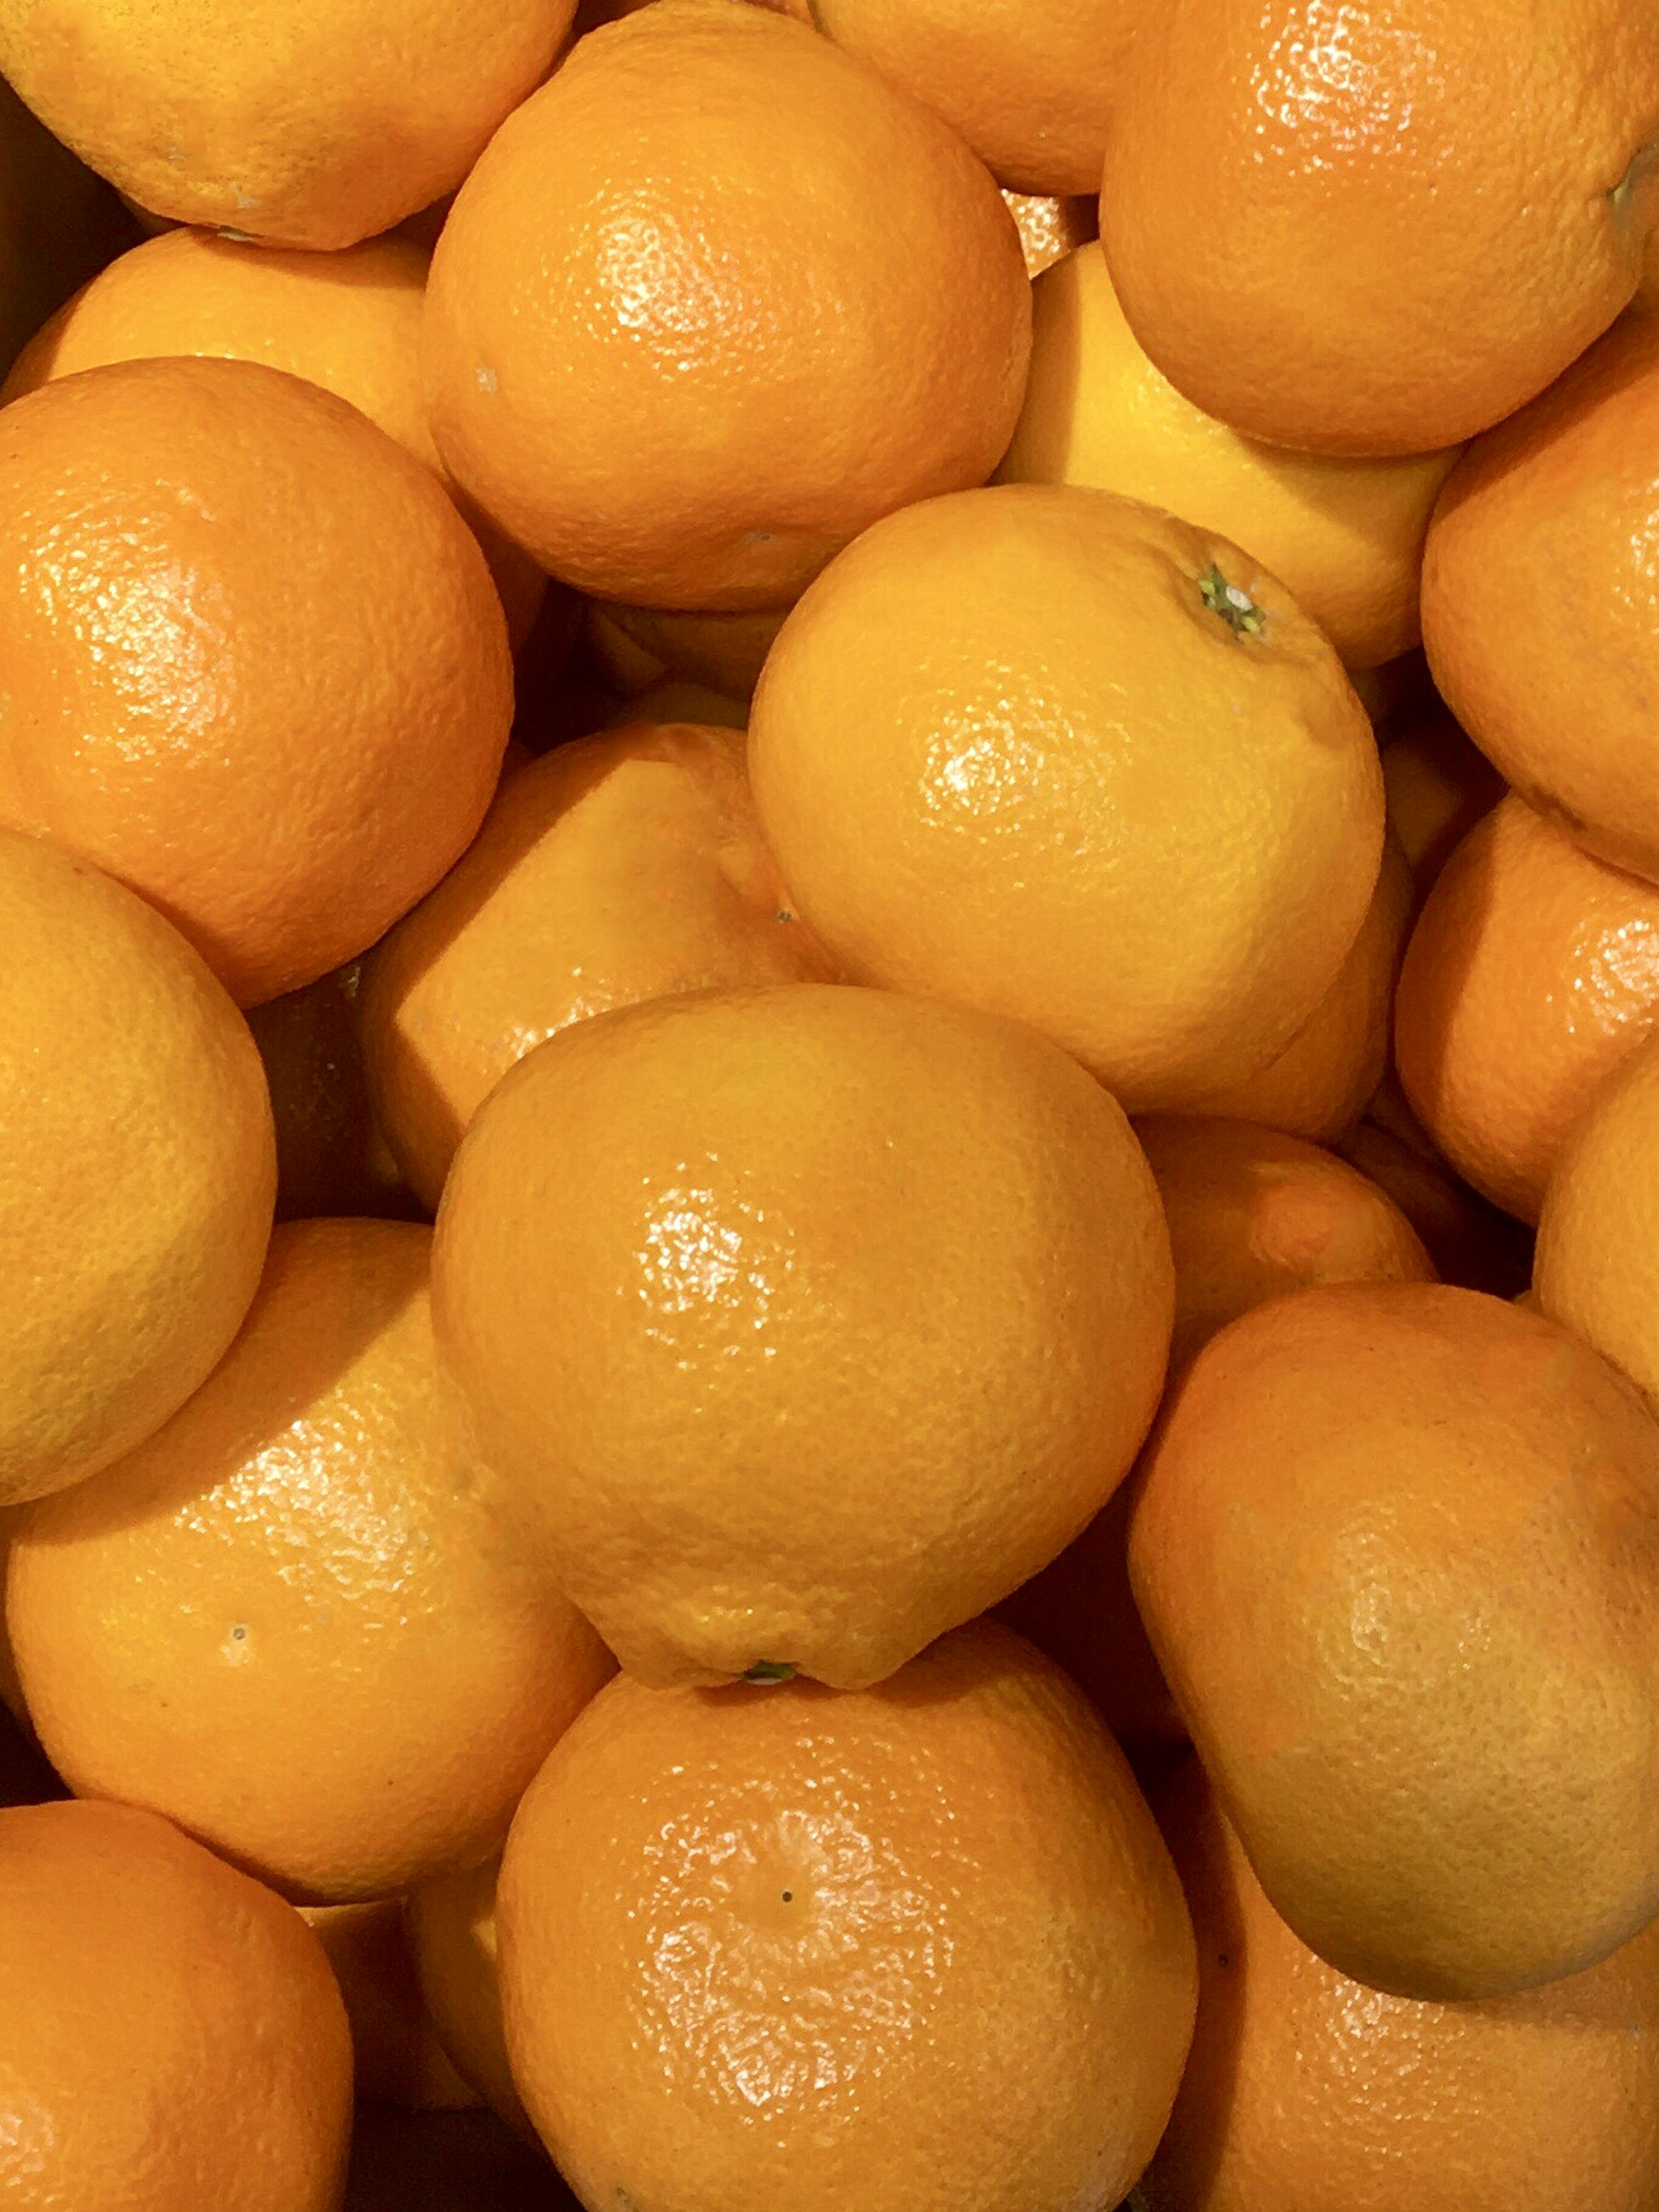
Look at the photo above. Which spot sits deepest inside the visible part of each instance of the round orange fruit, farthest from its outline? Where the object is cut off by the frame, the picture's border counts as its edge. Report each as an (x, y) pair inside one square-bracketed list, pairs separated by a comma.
[(696, 1255)]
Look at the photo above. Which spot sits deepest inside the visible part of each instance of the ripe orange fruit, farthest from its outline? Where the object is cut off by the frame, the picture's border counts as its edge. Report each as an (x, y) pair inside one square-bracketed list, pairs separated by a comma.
[(136, 1169), (1261, 173), (694, 1256), (615, 869), (1345, 537), (1438, 786), (171, 2034), (451, 1934), (1330, 1072), (303, 1621), (1598, 1234), (1397, 1549), (328, 126), (1029, 93), (58, 222), (1540, 610), (1253, 1213), (349, 321), (218, 684), (331, 1155), (1050, 228), (774, 298), (1469, 1241), (1532, 974), (1009, 729), (805, 1912), (639, 648), (1305, 2091), (398, 2058)]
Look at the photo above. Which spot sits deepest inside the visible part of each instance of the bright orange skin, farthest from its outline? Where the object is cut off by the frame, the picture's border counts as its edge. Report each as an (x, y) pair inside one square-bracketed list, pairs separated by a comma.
[(302, 1620), (1030, 93), (1006, 730), (1266, 165), (349, 321), (1254, 1213), (1598, 1234), (1540, 606), (694, 1256), (171, 2035), (1397, 1549), (1328, 1072), (136, 1169), (613, 870), (1439, 786), (336, 120), (1532, 974), (398, 2058), (218, 684), (676, 382), (775, 1946), (1307, 2093)]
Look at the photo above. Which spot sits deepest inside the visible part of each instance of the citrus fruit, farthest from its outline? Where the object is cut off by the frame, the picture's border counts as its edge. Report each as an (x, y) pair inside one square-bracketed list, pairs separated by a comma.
[(1470, 1242), (450, 1931), (677, 379), (1327, 1074), (1438, 786), (1598, 1234), (1050, 227), (1029, 89), (1009, 730), (349, 321), (328, 126), (1262, 170), (171, 2034), (303, 1621), (1306, 2091), (58, 222), (397, 2056), (1397, 1550), (1345, 537), (1253, 1213), (1541, 608), (694, 1256), (675, 701), (640, 647), (219, 684), (331, 1156), (1533, 972), (136, 1169), (615, 869), (777, 1946)]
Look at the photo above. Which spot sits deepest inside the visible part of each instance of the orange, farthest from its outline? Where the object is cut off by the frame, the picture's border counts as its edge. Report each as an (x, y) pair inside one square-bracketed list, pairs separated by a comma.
[(1306, 2092), (136, 1169), (452, 1935), (1541, 609), (1051, 227), (918, 1945), (58, 222), (1438, 786), (329, 125), (331, 1156), (1030, 91), (1397, 1550), (1328, 1072), (1470, 1242), (1598, 1236), (1253, 1213), (673, 701), (397, 2056), (303, 1621), (218, 684), (1266, 169), (714, 299), (349, 321), (1346, 536), (640, 647), (1050, 753), (1533, 972), (696, 1255), (615, 869), (171, 2034)]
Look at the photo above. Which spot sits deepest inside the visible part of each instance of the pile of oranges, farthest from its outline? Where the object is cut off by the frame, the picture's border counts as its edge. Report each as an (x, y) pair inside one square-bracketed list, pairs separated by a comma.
[(829, 1105)]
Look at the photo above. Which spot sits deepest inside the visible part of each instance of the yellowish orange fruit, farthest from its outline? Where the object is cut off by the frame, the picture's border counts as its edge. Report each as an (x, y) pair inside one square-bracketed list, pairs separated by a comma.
[(450, 1923), (396, 2057), (695, 1255), (1439, 786)]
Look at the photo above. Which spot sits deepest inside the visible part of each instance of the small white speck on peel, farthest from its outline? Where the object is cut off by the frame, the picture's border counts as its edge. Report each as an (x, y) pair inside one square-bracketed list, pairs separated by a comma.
[(488, 380)]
